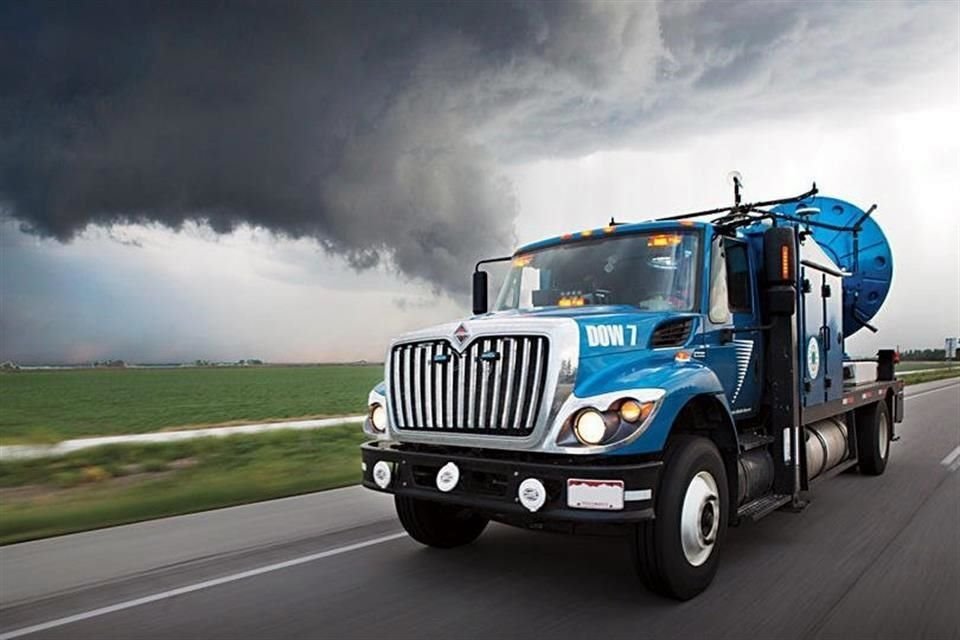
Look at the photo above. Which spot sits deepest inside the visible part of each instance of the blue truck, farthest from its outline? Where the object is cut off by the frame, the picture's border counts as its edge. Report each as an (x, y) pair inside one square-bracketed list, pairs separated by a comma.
[(659, 381)]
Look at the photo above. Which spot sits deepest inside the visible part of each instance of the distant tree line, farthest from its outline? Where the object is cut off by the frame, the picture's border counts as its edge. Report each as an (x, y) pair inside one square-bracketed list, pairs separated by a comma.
[(924, 354)]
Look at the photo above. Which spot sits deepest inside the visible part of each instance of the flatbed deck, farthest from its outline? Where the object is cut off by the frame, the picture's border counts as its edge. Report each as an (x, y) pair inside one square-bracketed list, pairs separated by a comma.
[(856, 396)]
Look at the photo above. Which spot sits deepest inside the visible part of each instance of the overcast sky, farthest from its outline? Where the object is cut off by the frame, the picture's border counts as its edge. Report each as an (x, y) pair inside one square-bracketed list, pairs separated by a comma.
[(303, 184)]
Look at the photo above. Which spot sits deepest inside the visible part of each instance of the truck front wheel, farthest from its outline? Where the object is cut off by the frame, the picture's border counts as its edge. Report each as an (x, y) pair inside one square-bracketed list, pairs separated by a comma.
[(438, 525), (676, 554)]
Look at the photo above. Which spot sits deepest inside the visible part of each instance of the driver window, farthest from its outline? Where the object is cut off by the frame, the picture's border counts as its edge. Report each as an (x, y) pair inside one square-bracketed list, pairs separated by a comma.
[(719, 309), (738, 277)]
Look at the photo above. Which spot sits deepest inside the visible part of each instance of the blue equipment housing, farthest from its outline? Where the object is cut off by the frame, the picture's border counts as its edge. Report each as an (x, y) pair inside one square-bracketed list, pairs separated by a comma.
[(856, 244)]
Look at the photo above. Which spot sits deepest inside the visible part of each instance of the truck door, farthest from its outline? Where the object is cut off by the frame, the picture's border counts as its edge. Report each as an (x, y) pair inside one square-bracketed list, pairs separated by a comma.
[(821, 350), (733, 348)]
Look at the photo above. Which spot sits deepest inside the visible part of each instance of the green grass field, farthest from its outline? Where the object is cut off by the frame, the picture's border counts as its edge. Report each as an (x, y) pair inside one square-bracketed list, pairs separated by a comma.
[(119, 484), (929, 376), (904, 367), (45, 406)]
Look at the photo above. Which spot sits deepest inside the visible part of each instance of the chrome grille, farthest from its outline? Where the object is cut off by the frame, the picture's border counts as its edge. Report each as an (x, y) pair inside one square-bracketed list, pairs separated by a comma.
[(494, 387)]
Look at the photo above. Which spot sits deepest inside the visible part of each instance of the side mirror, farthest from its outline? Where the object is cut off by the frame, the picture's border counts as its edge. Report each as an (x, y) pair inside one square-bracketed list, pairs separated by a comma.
[(780, 270), (479, 292)]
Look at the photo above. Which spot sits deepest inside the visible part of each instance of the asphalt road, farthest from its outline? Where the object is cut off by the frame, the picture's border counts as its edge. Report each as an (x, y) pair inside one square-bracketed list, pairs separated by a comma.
[(870, 557)]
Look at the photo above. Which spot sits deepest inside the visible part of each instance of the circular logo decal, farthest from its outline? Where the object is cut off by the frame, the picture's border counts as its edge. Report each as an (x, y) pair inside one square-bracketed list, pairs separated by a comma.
[(448, 477), (813, 357), (382, 474), (532, 494)]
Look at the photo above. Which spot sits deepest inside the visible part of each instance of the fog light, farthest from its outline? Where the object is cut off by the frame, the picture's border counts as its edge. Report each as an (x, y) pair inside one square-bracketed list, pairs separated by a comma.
[(532, 494), (590, 427), (382, 475), (448, 477), (378, 417)]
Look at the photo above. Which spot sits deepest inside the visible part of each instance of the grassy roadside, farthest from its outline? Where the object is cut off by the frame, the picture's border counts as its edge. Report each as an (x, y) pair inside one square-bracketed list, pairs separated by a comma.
[(114, 485), (928, 376), (48, 406), (906, 366)]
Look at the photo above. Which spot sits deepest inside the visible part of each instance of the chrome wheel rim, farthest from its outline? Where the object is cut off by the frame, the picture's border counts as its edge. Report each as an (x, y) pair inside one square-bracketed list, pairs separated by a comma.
[(883, 440), (700, 518)]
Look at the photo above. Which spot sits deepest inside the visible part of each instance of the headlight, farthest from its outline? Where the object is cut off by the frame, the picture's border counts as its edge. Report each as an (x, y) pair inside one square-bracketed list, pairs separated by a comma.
[(378, 417), (590, 427), (608, 420)]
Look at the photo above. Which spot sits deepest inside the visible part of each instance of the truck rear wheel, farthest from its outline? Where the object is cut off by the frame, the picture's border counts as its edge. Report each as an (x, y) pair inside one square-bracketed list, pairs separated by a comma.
[(438, 525), (873, 438), (676, 554)]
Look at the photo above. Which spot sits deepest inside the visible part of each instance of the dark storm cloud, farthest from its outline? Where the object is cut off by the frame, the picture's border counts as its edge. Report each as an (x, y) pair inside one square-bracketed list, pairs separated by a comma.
[(349, 123), (377, 128)]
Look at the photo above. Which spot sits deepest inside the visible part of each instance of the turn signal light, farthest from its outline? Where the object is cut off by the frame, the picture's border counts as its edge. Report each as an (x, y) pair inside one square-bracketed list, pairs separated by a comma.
[(785, 262), (633, 411)]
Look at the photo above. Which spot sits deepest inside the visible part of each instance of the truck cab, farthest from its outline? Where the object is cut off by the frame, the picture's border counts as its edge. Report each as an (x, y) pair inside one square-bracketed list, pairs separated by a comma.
[(659, 380)]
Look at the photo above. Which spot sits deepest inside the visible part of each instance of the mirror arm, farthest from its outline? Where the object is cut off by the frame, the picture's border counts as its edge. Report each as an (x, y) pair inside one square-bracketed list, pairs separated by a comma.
[(490, 261)]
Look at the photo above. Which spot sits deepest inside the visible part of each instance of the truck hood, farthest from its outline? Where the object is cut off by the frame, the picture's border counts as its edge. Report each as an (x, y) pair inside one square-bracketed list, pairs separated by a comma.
[(574, 312), (604, 330), (607, 322), (596, 332)]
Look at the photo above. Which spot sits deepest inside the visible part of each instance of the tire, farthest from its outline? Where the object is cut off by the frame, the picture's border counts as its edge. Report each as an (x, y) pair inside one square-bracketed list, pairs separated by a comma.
[(435, 524), (666, 563), (873, 438)]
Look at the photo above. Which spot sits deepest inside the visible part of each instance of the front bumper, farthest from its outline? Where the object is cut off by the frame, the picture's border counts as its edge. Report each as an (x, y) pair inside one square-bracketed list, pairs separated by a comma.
[(489, 482)]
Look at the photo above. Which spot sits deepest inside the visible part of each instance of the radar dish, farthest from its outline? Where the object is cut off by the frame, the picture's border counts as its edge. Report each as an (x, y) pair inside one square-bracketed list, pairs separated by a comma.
[(865, 255)]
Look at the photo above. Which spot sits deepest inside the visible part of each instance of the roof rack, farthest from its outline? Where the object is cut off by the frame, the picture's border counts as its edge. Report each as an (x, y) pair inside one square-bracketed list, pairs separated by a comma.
[(741, 214), (738, 209)]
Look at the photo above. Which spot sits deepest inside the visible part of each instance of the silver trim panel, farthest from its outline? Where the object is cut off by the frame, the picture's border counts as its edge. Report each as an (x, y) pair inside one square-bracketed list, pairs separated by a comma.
[(560, 337)]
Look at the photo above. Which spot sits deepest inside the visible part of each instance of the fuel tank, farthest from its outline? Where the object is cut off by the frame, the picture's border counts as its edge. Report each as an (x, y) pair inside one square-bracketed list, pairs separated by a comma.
[(826, 442)]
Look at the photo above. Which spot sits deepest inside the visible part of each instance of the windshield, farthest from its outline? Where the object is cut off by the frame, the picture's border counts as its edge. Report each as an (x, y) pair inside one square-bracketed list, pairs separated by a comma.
[(651, 271)]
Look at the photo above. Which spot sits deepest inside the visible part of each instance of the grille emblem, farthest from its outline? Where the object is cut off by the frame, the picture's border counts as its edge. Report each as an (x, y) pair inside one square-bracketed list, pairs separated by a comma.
[(461, 334)]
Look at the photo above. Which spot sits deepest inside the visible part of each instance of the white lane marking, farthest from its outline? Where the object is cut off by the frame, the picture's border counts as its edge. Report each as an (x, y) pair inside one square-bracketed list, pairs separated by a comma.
[(206, 584), (923, 393), (952, 461)]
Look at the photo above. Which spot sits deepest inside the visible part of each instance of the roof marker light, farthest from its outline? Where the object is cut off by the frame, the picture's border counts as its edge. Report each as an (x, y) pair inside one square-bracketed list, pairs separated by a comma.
[(571, 301), (663, 240)]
